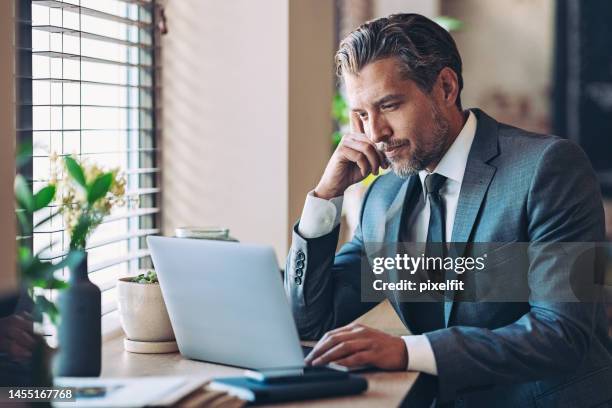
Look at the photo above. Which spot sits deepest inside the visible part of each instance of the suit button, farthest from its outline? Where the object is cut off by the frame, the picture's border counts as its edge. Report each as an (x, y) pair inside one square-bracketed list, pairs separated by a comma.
[(300, 256), (299, 272), (299, 264), (298, 280)]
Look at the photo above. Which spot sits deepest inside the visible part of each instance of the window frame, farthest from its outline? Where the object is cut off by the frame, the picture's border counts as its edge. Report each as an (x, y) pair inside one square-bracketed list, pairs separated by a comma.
[(143, 223)]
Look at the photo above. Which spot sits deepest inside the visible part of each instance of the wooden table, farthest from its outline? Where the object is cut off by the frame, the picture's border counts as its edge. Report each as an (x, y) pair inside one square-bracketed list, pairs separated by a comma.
[(385, 389)]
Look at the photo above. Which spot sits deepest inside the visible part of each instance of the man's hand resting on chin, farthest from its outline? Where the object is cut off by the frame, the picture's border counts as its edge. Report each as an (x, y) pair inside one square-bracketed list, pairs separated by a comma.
[(357, 345)]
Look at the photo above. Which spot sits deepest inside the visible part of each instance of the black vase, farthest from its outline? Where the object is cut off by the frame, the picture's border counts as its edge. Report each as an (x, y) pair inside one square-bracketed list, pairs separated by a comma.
[(80, 328)]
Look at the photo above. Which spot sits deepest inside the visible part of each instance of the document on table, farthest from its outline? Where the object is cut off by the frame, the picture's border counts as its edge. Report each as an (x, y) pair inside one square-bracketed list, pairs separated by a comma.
[(127, 392)]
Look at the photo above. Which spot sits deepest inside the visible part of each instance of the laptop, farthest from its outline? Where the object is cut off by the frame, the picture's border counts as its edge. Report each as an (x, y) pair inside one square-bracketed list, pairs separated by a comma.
[(226, 302)]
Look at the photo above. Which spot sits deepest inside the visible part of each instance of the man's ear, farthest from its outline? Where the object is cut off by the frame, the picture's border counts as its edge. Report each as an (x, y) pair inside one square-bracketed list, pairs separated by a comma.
[(448, 84)]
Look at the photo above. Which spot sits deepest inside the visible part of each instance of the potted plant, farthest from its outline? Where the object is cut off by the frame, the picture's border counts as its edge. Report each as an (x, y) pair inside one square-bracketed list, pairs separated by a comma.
[(37, 272), (143, 315), (85, 195)]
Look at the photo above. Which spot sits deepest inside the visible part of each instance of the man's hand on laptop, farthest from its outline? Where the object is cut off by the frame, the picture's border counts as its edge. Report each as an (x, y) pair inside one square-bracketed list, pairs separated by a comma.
[(356, 345)]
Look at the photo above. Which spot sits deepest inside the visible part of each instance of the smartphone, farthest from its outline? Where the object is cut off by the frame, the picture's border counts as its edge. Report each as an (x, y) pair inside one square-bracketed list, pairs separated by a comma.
[(289, 375), (355, 369)]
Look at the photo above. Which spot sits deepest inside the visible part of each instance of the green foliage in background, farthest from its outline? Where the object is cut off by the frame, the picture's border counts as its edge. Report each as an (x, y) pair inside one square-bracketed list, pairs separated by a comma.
[(449, 23), (84, 196), (88, 194), (340, 115), (36, 272), (149, 277)]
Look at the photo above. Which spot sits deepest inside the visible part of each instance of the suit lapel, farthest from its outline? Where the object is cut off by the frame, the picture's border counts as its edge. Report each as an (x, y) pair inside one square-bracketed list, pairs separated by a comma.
[(476, 180), (393, 219), (390, 203)]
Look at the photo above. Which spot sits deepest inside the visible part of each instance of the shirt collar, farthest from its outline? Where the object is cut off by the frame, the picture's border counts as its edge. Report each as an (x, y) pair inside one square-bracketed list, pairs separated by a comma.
[(453, 163)]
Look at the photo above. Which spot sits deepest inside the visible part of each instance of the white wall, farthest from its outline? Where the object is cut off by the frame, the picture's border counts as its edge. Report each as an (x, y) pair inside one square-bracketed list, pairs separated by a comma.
[(8, 275), (226, 114)]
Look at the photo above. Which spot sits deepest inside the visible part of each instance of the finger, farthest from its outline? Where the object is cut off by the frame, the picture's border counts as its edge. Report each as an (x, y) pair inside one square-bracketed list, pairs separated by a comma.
[(358, 158), (356, 124), (384, 162), (346, 328), (327, 342), (360, 358), (382, 158), (341, 329), (342, 350), (368, 149)]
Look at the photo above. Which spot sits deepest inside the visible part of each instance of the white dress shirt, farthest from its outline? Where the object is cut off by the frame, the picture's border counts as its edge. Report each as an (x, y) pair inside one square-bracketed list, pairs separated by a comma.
[(320, 217)]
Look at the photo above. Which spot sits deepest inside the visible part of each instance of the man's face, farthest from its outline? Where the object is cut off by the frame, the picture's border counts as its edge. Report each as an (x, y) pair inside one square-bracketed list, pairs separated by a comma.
[(406, 123)]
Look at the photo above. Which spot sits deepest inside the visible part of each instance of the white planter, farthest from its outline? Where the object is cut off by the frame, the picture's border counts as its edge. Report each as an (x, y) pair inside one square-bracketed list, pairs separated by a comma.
[(143, 313)]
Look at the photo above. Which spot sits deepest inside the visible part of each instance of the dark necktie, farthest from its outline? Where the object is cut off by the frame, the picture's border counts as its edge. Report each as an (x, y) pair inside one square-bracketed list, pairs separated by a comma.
[(437, 224), (433, 184), (425, 316)]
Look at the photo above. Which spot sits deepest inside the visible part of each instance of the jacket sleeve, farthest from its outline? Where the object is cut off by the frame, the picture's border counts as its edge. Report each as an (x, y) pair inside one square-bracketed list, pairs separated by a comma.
[(564, 205), (325, 288)]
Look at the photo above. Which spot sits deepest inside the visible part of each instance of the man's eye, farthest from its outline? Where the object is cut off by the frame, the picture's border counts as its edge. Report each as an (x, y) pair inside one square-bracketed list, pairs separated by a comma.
[(390, 106), (363, 115)]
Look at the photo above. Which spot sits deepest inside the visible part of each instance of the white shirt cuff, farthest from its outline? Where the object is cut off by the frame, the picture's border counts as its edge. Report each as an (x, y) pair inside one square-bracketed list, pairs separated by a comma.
[(319, 216), (420, 354)]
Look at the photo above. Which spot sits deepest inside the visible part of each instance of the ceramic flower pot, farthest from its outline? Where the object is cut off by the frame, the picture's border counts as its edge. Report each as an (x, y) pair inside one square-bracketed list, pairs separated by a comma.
[(143, 313)]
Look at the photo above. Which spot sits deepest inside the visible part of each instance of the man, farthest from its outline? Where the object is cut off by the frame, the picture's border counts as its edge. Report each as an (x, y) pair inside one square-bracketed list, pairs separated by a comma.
[(457, 176)]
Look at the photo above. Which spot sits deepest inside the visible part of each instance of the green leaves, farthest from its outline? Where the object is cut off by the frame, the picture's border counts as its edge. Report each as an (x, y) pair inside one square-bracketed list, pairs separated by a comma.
[(29, 203), (340, 109), (95, 190), (24, 257), (99, 187), (340, 114), (24, 154), (71, 260), (23, 194), (79, 233), (43, 305), (37, 269), (44, 197), (76, 171), (149, 277), (23, 191), (40, 273), (449, 23), (336, 138)]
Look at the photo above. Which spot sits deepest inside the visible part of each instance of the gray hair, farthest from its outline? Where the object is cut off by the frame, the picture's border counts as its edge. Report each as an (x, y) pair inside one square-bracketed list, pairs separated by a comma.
[(422, 47)]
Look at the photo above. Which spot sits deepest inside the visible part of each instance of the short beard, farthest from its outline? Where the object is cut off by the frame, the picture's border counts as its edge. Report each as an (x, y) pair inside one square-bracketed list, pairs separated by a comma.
[(429, 151)]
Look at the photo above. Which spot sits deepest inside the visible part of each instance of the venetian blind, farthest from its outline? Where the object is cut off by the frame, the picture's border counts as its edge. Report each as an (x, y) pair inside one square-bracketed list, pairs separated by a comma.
[(89, 90)]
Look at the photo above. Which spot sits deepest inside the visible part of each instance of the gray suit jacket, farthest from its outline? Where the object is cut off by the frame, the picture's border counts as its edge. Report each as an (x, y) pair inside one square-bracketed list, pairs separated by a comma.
[(518, 187)]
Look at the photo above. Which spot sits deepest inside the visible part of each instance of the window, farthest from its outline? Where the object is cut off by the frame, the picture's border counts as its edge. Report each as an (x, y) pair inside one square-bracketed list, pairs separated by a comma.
[(86, 86)]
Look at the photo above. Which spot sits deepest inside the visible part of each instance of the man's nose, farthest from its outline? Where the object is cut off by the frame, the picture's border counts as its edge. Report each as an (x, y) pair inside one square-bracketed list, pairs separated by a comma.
[(379, 129)]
